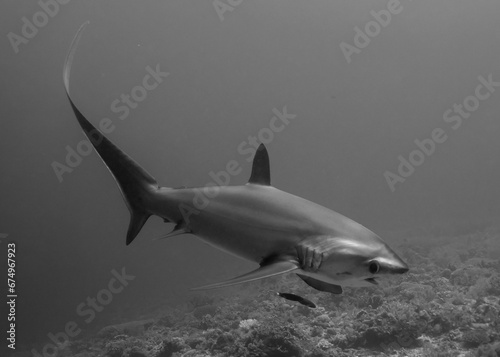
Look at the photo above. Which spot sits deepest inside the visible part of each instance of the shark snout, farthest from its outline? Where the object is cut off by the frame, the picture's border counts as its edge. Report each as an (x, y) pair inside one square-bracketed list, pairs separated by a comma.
[(393, 263), (401, 269), (398, 266)]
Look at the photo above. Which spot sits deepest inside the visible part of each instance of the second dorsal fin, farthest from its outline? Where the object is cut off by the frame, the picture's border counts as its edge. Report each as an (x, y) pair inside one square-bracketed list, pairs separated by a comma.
[(260, 168)]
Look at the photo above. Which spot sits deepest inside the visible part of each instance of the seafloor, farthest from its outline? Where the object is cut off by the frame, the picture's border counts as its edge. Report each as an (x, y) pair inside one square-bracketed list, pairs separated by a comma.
[(447, 305)]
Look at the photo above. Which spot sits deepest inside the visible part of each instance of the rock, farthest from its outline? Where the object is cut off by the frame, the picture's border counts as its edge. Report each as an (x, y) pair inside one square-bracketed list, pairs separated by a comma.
[(360, 313), (474, 338), (375, 301), (446, 273), (423, 314)]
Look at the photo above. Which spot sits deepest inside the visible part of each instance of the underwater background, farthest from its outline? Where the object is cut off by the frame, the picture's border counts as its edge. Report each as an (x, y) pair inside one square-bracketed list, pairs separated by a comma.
[(394, 121)]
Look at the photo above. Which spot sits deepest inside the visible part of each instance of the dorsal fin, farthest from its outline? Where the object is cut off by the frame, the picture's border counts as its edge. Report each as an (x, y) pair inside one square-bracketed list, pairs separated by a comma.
[(260, 168)]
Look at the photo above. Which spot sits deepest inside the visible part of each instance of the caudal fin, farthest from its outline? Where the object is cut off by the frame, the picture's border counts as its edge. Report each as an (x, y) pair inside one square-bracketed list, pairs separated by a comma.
[(136, 185)]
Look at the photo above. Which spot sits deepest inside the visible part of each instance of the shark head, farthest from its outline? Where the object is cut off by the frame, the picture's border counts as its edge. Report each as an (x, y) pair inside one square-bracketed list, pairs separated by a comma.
[(356, 262), (359, 260)]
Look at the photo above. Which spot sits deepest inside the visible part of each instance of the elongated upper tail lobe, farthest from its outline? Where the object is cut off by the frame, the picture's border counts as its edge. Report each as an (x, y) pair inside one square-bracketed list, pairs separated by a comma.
[(137, 186)]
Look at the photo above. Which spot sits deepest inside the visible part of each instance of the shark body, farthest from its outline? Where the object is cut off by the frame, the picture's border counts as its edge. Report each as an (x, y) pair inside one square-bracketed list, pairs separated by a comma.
[(258, 222)]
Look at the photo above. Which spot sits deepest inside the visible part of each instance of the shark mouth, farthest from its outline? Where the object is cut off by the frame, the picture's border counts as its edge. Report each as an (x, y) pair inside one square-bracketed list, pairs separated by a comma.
[(372, 281)]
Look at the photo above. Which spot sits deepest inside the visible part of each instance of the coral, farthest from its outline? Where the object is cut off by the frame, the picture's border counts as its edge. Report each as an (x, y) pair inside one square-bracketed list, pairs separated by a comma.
[(274, 341), (340, 340), (126, 347), (224, 339), (417, 292), (204, 310), (137, 352), (474, 338), (324, 344), (494, 285), (446, 273), (448, 305), (492, 350), (322, 320), (316, 331), (318, 352), (113, 350), (109, 332), (248, 324), (430, 350), (303, 310), (207, 322), (170, 346), (167, 320), (467, 275)]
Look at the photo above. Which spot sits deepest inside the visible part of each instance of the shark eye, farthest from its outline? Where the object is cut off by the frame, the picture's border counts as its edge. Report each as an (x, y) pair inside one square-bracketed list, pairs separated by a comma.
[(374, 267)]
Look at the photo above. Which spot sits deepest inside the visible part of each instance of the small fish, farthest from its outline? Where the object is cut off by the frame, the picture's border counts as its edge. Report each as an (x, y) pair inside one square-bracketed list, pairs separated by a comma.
[(297, 298)]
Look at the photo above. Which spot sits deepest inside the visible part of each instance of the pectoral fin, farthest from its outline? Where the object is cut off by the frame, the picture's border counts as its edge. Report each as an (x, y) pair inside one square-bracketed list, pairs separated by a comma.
[(321, 285), (265, 271)]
